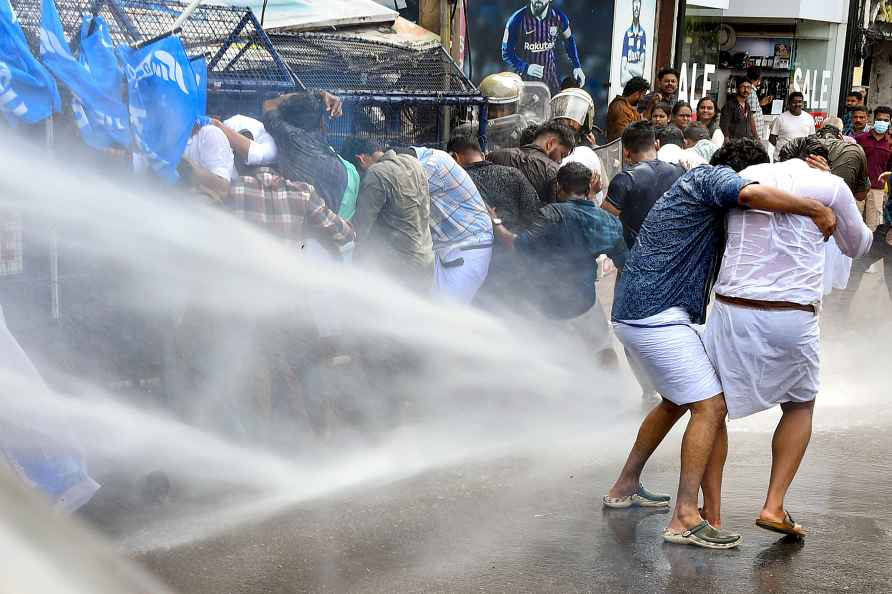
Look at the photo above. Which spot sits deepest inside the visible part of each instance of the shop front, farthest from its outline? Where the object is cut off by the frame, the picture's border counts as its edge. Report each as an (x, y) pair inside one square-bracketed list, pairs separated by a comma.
[(797, 45)]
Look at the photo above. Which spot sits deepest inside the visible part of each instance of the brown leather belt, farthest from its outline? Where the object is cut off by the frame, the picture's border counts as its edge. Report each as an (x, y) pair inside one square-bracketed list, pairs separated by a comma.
[(755, 304)]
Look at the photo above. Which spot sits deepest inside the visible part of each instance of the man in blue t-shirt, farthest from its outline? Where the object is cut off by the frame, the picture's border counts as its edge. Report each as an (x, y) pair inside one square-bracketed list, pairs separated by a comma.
[(662, 294), (634, 47), (530, 40)]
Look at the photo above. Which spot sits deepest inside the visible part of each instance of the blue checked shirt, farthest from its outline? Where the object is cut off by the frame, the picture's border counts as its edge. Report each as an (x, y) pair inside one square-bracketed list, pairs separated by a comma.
[(458, 213), (676, 258)]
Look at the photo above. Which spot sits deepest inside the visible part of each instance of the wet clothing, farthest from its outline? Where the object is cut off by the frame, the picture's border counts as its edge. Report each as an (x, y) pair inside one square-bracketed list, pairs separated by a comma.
[(508, 191), (736, 120), (674, 261), (392, 218), (620, 114), (847, 160), (669, 351), (307, 157), (529, 40), (535, 164), (458, 213), (286, 208), (562, 247), (635, 190)]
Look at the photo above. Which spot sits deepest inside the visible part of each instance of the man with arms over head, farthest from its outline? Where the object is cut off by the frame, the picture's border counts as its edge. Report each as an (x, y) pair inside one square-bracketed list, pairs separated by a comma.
[(297, 121), (208, 163), (634, 53), (793, 123), (560, 250), (666, 92), (624, 110), (763, 335), (662, 293), (530, 42), (392, 220), (252, 144), (540, 160), (460, 226)]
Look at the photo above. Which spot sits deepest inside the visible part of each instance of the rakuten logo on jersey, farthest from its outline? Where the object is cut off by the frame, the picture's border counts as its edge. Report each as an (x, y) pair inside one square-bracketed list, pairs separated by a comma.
[(543, 46)]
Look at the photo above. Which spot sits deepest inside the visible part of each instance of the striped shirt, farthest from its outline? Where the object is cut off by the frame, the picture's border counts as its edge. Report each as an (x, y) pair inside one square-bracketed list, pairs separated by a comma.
[(458, 213)]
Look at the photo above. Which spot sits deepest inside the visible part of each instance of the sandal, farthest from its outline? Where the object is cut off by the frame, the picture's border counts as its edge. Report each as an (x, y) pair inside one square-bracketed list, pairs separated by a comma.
[(788, 526), (640, 498), (703, 535)]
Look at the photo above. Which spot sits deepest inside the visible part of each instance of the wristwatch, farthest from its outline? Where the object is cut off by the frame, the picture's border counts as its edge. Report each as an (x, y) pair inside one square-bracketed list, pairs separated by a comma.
[(497, 221)]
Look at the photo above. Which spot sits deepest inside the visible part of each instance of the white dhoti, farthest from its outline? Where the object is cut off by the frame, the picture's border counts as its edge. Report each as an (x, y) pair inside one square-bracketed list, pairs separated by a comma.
[(459, 273), (668, 348), (764, 357)]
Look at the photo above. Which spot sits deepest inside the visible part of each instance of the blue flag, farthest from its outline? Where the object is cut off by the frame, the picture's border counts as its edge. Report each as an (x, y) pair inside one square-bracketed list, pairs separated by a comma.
[(163, 102), (200, 68), (94, 80), (28, 93)]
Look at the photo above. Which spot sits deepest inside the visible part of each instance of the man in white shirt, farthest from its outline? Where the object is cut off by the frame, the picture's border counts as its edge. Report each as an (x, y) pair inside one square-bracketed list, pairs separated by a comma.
[(210, 161), (762, 335), (793, 123), (249, 140)]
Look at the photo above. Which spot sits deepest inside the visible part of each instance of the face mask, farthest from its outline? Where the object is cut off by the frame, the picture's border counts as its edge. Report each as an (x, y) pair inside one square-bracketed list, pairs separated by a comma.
[(881, 126)]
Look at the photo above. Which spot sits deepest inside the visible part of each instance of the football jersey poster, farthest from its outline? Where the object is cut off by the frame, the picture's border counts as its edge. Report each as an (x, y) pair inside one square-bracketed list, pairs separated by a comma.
[(633, 42), (546, 41)]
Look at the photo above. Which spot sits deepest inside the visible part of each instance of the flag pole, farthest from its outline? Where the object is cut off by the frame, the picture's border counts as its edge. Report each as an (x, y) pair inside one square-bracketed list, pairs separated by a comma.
[(55, 309)]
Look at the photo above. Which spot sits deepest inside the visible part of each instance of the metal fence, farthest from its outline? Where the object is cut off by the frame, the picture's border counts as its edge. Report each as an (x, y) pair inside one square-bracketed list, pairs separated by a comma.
[(243, 66), (395, 94)]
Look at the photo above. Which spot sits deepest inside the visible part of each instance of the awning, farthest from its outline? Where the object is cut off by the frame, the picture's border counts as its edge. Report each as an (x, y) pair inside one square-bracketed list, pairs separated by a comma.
[(301, 15)]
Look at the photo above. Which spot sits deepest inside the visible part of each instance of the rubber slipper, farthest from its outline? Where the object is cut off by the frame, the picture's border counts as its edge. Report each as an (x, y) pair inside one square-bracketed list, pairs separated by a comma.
[(640, 498), (703, 535), (788, 526)]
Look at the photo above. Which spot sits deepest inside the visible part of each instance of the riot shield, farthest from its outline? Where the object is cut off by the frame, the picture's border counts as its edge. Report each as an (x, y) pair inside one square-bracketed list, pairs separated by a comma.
[(534, 103), (611, 156), (505, 132)]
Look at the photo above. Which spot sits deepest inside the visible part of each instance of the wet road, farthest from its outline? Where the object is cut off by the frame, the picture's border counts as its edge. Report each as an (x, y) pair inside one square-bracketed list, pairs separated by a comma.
[(534, 524)]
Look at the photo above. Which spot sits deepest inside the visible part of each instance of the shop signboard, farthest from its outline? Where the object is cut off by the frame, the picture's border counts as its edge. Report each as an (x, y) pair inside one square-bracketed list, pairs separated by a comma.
[(815, 86), (695, 81), (547, 34)]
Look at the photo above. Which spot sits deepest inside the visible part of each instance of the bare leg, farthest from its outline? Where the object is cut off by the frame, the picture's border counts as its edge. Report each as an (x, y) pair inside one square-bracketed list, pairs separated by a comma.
[(712, 478), (653, 430), (707, 417), (787, 449)]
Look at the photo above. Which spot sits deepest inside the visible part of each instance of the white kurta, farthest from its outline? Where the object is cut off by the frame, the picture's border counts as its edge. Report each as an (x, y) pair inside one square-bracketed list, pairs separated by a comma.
[(767, 357)]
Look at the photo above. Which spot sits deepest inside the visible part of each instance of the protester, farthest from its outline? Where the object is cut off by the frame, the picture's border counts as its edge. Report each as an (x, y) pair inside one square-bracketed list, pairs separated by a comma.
[(297, 121), (670, 143), (763, 335), (634, 191), (540, 160), (208, 162), (513, 200), (877, 145), (560, 250), (681, 115), (666, 91), (660, 114), (623, 110), (250, 142), (460, 226), (631, 195), (576, 109), (707, 114), (699, 147), (793, 123), (860, 118), (754, 75), (853, 100), (737, 118), (663, 290), (393, 215)]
